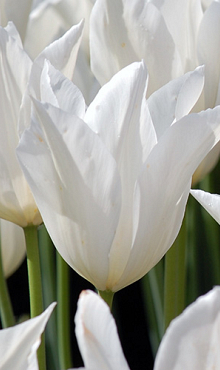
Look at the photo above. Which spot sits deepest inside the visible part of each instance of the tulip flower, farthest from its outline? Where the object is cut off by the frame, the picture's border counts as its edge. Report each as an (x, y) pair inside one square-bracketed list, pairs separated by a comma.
[(112, 183), (192, 339), (172, 36), (97, 335), (19, 344), (17, 72), (18, 76)]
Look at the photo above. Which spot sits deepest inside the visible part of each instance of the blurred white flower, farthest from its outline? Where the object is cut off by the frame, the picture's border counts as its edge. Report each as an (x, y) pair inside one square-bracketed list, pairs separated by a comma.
[(172, 36), (49, 20)]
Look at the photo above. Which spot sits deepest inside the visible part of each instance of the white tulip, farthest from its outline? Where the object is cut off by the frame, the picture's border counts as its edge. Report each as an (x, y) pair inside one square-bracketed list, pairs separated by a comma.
[(110, 183), (17, 73)]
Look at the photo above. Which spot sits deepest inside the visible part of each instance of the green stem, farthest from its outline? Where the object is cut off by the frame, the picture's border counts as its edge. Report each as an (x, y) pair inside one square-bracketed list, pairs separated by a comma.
[(108, 296), (175, 275), (48, 265), (6, 311), (35, 285), (63, 314), (153, 304), (194, 225)]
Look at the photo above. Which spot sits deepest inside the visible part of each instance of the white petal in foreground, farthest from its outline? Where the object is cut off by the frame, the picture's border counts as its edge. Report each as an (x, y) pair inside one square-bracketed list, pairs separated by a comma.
[(97, 335), (192, 340), (18, 344), (211, 202)]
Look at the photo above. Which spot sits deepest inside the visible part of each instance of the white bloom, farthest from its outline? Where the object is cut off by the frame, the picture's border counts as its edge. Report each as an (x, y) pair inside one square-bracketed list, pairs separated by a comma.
[(17, 72), (112, 183)]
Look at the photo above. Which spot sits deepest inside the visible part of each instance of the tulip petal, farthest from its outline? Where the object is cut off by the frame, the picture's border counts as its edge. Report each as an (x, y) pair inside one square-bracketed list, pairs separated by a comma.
[(127, 141), (20, 343), (211, 202), (59, 91), (192, 339), (124, 94), (13, 32), (175, 100), (97, 335), (62, 53), (76, 185), (155, 229), (49, 19), (13, 247)]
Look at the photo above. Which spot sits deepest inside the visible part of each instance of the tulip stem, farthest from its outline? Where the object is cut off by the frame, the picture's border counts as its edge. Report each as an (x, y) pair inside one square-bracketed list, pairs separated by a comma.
[(63, 314), (108, 296), (175, 274), (6, 311), (48, 265), (153, 304), (35, 285)]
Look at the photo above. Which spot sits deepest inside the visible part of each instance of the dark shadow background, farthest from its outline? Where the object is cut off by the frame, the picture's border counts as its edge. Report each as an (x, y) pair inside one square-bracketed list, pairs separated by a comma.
[(127, 309)]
